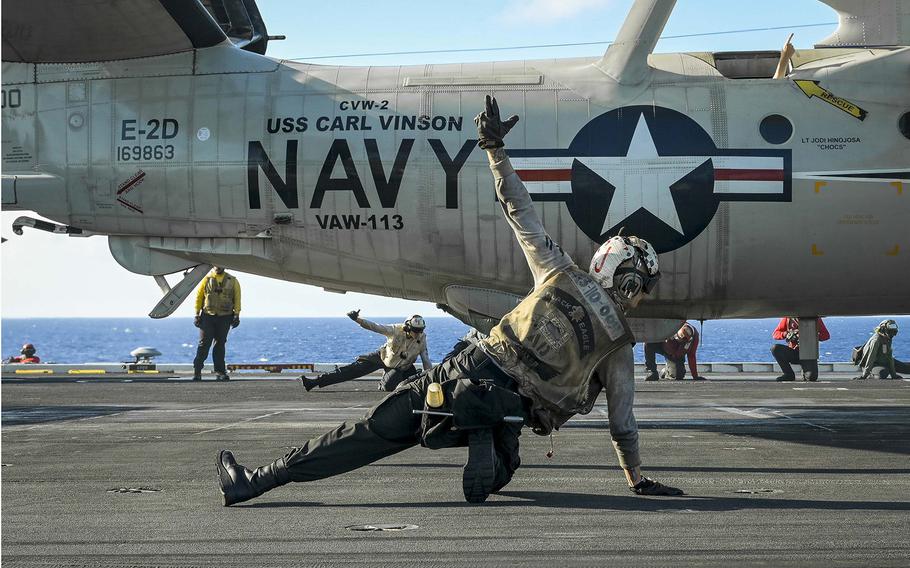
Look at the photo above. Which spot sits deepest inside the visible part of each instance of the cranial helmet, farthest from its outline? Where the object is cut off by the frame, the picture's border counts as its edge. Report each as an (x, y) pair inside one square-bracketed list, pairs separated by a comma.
[(887, 327), (626, 265), (415, 323), (685, 331), (28, 350)]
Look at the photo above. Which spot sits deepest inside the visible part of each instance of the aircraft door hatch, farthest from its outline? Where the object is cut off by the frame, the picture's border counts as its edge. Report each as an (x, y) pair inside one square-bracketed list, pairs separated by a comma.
[(174, 297), (747, 64)]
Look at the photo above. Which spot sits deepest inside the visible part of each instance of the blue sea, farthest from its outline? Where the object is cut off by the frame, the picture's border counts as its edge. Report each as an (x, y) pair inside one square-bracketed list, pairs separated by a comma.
[(331, 340)]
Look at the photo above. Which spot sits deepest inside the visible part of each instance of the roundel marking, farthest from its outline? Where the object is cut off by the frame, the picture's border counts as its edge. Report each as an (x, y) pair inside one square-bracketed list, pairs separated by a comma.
[(652, 171)]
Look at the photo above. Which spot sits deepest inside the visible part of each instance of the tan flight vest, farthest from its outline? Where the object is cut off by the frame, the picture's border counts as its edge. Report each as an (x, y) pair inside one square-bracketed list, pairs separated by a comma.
[(400, 344), (552, 342), (219, 297)]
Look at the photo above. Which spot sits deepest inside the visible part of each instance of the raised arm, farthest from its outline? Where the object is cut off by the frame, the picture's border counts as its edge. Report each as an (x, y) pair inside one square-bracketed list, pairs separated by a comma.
[(385, 330), (545, 257)]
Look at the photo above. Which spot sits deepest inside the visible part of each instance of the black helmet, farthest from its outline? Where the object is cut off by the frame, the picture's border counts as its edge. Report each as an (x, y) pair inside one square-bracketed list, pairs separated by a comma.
[(28, 350), (888, 328)]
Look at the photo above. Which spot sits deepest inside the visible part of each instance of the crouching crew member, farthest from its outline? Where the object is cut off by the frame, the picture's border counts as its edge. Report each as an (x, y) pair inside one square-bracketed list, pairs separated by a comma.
[(683, 344), (26, 355), (405, 343), (876, 357), (546, 360), (217, 311), (786, 355)]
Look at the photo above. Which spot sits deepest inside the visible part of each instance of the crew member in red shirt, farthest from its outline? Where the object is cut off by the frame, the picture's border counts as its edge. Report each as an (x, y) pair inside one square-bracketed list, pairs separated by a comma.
[(27, 355), (682, 345), (786, 355)]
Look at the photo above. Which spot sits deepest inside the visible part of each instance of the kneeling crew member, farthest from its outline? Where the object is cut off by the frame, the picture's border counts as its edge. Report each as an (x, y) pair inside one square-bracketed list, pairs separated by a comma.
[(563, 344), (877, 358), (26, 355), (683, 344), (786, 355), (217, 311), (405, 343)]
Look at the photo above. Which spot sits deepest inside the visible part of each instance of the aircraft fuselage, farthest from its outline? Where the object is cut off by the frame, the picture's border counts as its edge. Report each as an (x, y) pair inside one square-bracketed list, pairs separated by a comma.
[(764, 197)]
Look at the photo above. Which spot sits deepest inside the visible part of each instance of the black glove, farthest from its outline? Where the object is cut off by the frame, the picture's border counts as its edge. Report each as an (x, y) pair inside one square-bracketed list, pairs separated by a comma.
[(197, 321), (236, 321), (490, 127), (354, 314), (650, 487)]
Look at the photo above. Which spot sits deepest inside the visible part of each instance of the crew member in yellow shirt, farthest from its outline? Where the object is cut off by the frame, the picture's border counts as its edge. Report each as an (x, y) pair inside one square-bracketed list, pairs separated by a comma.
[(217, 311)]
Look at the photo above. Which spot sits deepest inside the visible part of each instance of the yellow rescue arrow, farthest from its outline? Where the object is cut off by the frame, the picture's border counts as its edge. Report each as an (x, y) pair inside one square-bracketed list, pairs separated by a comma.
[(812, 89)]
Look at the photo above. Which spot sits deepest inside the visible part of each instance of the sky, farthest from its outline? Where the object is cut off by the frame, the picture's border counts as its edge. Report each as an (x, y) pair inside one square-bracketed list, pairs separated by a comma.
[(45, 275)]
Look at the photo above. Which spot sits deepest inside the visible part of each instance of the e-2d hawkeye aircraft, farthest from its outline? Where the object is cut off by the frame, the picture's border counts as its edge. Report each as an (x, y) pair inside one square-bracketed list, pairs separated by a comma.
[(771, 182)]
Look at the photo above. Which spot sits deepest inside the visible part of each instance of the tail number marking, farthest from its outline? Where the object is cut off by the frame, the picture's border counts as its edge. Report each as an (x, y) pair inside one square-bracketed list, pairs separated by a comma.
[(145, 152)]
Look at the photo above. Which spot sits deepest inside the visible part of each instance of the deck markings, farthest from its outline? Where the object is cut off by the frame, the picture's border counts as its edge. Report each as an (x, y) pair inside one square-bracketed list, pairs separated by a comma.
[(245, 420)]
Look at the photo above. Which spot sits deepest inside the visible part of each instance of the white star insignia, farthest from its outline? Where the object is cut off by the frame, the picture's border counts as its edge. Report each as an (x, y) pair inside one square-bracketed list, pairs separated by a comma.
[(642, 179)]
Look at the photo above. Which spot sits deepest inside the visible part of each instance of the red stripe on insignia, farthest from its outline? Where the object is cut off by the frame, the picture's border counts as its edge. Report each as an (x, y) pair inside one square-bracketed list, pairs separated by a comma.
[(749, 175), (544, 175)]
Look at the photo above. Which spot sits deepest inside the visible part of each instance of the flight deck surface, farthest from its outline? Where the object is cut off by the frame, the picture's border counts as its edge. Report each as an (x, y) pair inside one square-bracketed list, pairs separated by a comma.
[(113, 473)]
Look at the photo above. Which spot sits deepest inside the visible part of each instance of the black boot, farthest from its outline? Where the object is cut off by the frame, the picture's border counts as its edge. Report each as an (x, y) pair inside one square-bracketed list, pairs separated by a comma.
[(309, 384), (480, 470), (239, 484)]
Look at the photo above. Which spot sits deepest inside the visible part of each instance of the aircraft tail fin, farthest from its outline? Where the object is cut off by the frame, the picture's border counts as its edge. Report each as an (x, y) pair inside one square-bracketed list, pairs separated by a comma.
[(869, 23), (626, 60)]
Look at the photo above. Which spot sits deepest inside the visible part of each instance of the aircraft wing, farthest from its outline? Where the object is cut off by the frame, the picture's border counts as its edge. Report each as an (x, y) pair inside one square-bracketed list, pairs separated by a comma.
[(81, 31), (869, 23)]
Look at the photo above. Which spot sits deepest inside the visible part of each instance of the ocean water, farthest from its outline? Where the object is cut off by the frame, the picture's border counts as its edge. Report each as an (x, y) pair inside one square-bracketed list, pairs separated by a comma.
[(328, 340)]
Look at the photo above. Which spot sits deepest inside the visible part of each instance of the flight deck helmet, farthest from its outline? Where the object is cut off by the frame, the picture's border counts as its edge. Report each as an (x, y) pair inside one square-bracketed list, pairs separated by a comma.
[(888, 328), (415, 323), (626, 265), (28, 350), (685, 332)]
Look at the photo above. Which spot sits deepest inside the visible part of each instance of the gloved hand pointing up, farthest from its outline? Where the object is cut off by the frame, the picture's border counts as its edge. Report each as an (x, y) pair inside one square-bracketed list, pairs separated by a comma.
[(490, 127)]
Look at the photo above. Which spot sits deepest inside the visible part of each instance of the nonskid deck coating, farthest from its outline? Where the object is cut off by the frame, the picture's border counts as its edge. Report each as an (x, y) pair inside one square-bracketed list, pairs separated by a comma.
[(785, 474)]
